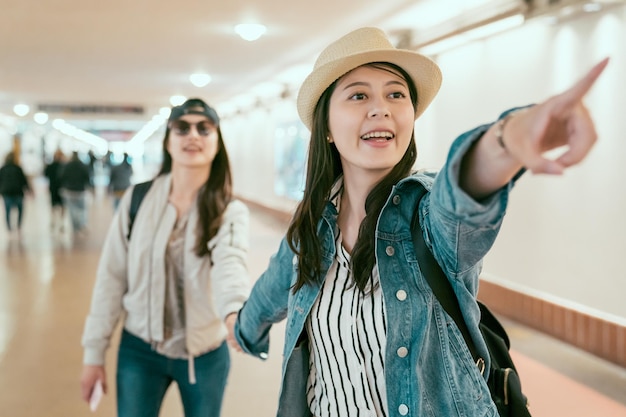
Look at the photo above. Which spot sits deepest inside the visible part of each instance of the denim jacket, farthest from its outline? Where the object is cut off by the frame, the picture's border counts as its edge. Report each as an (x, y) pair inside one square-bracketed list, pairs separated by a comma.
[(428, 367)]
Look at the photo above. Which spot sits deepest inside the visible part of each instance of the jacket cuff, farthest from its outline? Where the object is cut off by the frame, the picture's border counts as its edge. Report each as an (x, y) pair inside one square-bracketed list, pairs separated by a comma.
[(259, 350), (93, 356)]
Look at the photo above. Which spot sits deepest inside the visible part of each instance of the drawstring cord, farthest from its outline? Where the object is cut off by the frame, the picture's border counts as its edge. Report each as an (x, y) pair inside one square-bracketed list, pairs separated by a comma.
[(192, 370)]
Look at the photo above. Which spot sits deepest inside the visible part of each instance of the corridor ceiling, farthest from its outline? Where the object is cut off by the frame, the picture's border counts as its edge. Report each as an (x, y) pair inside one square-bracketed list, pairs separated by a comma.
[(141, 52)]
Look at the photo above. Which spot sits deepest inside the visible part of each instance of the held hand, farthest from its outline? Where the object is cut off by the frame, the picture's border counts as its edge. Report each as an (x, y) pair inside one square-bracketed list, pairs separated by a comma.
[(561, 120), (230, 321), (89, 376)]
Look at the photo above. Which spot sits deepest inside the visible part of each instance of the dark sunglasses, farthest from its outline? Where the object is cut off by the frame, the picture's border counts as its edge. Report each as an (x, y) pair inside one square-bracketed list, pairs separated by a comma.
[(182, 128)]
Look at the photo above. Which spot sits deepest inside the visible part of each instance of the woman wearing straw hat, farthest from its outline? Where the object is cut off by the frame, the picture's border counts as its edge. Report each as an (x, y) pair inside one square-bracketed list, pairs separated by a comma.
[(363, 335)]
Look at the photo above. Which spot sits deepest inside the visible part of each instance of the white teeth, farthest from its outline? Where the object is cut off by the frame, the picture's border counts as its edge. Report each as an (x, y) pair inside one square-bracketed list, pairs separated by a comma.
[(384, 135)]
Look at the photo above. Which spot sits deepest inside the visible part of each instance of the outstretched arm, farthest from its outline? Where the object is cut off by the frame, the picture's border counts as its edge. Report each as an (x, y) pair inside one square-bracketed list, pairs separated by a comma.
[(525, 137)]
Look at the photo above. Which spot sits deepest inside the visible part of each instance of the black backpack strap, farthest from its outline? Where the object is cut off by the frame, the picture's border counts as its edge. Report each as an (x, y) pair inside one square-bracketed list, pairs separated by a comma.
[(138, 193)]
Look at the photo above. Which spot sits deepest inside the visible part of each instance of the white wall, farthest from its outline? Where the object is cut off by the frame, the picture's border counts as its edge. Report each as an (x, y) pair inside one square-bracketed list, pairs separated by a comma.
[(250, 143), (564, 239)]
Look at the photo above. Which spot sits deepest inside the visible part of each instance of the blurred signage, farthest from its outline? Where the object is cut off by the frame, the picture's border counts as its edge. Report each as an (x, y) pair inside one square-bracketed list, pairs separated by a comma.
[(91, 109)]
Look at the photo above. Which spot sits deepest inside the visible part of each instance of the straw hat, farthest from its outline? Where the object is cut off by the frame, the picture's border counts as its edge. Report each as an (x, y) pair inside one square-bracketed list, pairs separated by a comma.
[(360, 47)]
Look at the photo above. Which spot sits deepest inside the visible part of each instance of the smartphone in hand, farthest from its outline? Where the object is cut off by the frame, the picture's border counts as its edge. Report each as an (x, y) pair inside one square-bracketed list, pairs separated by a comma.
[(96, 396)]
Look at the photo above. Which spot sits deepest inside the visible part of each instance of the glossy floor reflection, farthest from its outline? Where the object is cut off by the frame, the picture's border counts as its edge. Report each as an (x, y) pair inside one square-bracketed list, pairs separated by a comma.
[(46, 277)]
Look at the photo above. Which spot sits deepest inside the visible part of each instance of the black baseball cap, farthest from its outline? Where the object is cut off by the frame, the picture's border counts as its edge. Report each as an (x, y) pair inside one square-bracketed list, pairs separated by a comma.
[(194, 106)]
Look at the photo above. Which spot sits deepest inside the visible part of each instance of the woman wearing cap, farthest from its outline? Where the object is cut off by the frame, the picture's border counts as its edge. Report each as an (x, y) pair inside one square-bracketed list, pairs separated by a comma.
[(174, 278), (363, 334)]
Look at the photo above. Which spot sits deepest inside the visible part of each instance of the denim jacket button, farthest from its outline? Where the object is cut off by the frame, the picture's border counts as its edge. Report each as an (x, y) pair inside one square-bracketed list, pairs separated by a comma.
[(401, 295), (402, 352), (403, 409), (389, 250), (396, 199)]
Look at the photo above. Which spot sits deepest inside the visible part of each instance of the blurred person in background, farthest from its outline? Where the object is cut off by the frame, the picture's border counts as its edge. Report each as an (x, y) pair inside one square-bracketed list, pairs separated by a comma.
[(75, 182), (173, 277), (52, 172), (93, 159), (13, 185), (119, 179)]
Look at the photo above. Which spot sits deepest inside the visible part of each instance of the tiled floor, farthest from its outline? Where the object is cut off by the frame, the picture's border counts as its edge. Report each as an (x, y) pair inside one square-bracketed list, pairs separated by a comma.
[(45, 287)]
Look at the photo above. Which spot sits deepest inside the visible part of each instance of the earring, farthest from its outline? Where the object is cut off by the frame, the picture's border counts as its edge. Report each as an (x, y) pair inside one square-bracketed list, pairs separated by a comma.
[(328, 139)]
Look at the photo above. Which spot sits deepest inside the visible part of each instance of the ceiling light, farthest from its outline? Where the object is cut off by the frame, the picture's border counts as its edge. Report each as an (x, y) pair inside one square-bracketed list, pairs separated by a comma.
[(250, 31), (41, 118), (592, 7), (68, 129), (177, 100), (135, 144), (199, 79), (21, 109)]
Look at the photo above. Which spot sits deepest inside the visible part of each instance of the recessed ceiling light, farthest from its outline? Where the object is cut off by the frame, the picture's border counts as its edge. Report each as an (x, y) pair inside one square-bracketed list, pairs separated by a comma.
[(200, 80), (177, 100), (41, 118), (21, 109), (250, 31), (592, 7)]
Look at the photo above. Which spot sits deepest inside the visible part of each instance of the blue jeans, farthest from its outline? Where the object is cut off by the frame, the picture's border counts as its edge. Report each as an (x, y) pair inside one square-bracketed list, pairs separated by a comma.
[(143, 376), (11, 201), (76, 203)]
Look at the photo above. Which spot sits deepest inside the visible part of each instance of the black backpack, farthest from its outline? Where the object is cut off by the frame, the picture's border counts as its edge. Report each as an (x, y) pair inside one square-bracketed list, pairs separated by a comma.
[(139, 192)]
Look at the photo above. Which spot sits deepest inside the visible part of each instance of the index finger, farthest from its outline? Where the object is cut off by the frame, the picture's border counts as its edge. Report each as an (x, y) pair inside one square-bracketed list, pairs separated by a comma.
[(578, 90)]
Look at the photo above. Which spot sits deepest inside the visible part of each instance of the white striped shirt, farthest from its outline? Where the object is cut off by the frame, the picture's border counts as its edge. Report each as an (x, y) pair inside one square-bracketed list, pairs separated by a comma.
[(347, 336)]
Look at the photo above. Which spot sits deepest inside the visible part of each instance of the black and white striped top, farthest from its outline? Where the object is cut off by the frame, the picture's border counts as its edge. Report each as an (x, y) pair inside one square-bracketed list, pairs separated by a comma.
[(347, 335)]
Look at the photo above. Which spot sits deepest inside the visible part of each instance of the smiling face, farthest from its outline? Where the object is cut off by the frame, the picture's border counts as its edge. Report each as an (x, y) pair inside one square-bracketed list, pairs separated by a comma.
[(192, 141), (371, 119)]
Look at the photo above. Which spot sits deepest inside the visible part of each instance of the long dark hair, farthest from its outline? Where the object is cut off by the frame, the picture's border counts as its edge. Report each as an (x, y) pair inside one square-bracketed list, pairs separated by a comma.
[(213, 196), (323, 169)]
